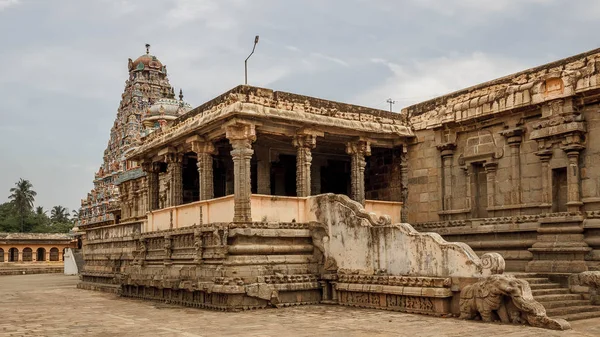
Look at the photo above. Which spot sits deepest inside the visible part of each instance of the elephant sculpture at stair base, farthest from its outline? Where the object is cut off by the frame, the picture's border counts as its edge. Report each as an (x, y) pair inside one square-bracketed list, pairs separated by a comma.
[(508, 299)]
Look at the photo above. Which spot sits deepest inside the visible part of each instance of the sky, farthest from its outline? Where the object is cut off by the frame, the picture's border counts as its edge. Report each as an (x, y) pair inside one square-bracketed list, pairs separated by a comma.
[(63, 63)]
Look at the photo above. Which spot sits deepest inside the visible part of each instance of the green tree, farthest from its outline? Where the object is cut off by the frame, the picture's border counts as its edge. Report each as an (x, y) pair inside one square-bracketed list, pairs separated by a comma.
[(59, 214), (22, 197), (40, 210)]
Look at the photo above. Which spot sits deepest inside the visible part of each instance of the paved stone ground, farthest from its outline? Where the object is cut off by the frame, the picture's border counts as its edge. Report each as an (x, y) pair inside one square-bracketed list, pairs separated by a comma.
[(50, 305)]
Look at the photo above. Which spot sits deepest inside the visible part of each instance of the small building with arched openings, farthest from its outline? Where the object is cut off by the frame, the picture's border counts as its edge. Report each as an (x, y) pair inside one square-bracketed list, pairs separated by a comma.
[(33, 247)]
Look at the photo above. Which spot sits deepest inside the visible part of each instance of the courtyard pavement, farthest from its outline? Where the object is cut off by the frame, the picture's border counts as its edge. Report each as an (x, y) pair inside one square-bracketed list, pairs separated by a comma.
[(50, 305)]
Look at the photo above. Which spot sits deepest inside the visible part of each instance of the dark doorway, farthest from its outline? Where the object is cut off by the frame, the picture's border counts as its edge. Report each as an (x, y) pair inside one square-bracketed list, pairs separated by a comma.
[(220, 177), (54, 254), (559, 190), (41, 254), (1, 255), (13, 255), (481, 193), (190, 179), (27, 255), (283, 176), (335, 177)]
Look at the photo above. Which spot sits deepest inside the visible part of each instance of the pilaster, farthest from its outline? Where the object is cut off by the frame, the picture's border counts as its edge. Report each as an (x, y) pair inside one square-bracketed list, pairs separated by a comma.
[(241, 135), (357, 151), (514, 137), (447, 153), (490, 170), (545, 156), (573, 177)]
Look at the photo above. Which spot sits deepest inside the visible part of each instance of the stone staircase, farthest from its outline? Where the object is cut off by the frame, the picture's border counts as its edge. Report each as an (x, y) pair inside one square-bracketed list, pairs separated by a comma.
[(558, 299)]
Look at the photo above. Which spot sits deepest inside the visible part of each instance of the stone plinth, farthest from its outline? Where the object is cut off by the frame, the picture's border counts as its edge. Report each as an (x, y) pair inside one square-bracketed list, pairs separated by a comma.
[(560, 247)]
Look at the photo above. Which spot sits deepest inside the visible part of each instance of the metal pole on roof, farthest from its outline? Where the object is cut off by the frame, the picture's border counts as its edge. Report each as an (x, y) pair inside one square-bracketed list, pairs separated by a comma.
[(389, 100), (246, 61)]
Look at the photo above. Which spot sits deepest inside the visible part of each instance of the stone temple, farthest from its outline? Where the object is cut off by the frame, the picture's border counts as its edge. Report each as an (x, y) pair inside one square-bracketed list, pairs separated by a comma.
[(260, 198)]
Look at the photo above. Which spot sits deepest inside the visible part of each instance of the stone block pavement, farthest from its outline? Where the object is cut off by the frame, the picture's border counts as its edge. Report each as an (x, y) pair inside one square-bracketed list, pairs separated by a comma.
[(50, 305)]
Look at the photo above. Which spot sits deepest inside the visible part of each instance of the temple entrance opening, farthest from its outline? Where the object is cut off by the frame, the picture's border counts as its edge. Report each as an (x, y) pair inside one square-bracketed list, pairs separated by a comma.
[(41, 254), (190, 181), (559, 189), (283, 176), (13, 255)]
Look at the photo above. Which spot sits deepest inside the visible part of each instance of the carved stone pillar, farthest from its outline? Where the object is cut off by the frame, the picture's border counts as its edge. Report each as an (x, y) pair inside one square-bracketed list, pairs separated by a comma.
[(304, 143), (573, 178), (447, 152), (174, 161), (468, 171), (241, 136), (358, 150), (490, 170), (514, 138), (204, 152), (152, 170), (545, 157), (263, 171)]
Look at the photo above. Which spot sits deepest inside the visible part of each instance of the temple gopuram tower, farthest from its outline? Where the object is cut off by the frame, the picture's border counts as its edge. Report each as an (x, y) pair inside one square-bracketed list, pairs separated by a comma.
[(146, 86)]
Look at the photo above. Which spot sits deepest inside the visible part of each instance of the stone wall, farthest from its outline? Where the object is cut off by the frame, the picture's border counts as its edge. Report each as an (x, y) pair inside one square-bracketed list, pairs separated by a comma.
[(504, 165), (383, 175)]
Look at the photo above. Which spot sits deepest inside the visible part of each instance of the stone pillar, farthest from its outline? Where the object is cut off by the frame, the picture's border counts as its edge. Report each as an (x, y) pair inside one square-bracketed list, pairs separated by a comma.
[(315, 178), (573, 178), (490, 170), (204, 152), (152, 170), (304, 143), (174, 168), (514, 138), (263, 171), (241, 136), (404, 183), (20, 257), (447, 152), (545, 157), (358, 150), (468, 172)]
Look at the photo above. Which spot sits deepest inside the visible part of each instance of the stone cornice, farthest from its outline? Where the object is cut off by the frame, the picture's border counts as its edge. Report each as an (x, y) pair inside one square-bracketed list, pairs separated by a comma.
[(274, 109)]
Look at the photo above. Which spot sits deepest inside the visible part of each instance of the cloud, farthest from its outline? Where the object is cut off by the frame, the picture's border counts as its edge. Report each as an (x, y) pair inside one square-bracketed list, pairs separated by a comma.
[(5, 4), (420, 80), (214, 14), (465, 7)]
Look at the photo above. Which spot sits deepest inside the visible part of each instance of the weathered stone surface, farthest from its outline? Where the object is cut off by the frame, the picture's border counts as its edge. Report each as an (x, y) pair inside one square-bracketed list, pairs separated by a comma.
[(508, 299)]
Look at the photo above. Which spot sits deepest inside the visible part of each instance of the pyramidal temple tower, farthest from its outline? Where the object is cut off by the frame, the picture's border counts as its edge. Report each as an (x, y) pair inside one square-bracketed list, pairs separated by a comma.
[(147, 103)]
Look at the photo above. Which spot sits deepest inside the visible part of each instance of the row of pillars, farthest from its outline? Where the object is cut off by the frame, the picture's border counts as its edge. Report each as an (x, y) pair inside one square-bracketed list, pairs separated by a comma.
[(241, 135), (514, 139)]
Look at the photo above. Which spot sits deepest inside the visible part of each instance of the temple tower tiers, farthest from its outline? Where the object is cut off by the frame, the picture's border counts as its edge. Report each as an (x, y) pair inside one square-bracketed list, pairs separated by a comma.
[(148, 102)]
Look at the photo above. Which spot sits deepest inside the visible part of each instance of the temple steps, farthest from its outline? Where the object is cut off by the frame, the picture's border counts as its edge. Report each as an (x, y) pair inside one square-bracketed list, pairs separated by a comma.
[(558, 300), (539, 286)]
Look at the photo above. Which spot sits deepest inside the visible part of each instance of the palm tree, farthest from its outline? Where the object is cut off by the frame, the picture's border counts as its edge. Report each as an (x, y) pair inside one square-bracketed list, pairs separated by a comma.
[(59, 214), (75, 215), (40, 210), (22, 198)]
